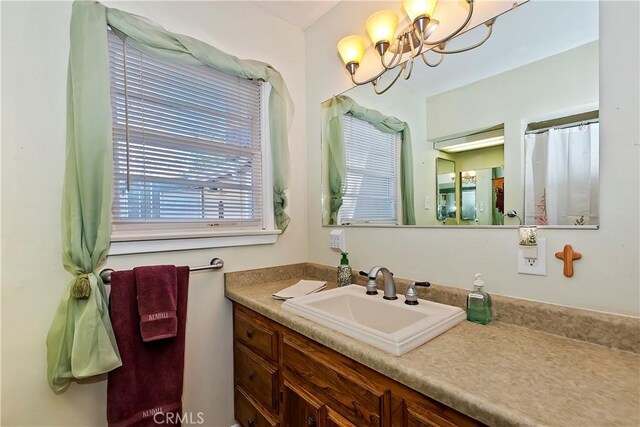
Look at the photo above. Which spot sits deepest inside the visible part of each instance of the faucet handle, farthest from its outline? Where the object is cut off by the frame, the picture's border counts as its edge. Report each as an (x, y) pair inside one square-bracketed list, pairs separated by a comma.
[(411, 296)]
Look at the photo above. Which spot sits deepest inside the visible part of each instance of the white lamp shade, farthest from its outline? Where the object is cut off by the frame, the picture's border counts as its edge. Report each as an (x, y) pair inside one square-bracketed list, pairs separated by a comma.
[(351, 49), (381, 26), (416, 8)]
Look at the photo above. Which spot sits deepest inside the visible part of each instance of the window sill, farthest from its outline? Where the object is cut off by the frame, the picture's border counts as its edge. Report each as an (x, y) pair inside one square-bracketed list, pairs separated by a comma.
[(126, 243)]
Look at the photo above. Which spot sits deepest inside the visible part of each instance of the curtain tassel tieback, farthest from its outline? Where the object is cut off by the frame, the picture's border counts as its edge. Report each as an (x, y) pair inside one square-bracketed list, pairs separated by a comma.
[(81, 289)]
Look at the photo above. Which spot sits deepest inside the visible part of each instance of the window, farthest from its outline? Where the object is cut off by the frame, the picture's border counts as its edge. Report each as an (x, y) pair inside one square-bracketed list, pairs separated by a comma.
[(188, 147), (371, 186)]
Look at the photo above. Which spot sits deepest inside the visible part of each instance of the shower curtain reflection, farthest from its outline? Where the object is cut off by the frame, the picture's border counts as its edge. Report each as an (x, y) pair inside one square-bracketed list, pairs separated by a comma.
[(561, 175)]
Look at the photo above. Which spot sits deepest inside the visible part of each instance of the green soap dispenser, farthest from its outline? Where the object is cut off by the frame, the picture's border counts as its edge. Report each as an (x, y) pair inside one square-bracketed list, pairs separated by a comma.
[(344, 271), (479, 303)]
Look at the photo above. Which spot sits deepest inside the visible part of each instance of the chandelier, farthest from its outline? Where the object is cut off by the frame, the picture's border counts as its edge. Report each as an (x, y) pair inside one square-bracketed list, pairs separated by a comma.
[(399, 51)]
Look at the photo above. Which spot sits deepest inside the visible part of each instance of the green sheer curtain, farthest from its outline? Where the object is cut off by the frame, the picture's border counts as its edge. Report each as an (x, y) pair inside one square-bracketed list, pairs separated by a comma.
[(80, 342), (337, 165)]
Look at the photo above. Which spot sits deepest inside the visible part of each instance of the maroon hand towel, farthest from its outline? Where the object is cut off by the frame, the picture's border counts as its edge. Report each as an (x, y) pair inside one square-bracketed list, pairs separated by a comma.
[(157, 301), (147, 389)]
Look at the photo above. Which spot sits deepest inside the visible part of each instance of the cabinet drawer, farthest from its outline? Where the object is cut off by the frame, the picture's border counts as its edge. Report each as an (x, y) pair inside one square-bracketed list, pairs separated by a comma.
[(353, 390), (256, 376), (255, 332), (249, 413)]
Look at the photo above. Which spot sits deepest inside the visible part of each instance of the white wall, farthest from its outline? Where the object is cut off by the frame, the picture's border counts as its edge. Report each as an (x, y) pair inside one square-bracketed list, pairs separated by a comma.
[(34, 55), (607, 278)]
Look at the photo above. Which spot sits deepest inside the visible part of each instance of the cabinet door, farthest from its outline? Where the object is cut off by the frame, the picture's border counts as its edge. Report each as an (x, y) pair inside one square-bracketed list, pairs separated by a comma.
[(427, 414), (301, 408), (250, 413), (353, 391), (334, 419), (256, 376)]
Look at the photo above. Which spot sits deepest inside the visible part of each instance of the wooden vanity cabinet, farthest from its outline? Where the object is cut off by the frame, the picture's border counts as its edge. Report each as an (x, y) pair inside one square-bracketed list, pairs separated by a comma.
[(285, 379)]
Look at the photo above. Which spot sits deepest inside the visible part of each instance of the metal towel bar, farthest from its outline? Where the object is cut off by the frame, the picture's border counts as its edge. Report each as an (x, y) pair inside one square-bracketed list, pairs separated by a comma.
[(215, 264)]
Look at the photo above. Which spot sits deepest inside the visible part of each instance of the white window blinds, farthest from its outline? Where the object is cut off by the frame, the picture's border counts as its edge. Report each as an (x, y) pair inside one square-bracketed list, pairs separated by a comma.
[(371, 185), (186, 144)]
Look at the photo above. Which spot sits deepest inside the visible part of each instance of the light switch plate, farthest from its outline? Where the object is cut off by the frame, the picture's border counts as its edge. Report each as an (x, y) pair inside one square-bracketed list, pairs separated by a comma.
[(427, 202), (337, 241), (535, 266)]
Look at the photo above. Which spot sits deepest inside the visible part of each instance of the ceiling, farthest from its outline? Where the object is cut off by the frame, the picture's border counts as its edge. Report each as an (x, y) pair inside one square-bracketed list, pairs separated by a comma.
[(300, 13)]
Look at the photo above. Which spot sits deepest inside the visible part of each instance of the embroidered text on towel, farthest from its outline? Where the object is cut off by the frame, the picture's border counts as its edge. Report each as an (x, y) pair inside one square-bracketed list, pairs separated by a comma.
[(158, 316), (151, 412)]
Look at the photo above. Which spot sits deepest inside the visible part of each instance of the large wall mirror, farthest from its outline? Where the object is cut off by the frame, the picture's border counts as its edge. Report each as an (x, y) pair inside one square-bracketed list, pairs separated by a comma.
[(498, 136)]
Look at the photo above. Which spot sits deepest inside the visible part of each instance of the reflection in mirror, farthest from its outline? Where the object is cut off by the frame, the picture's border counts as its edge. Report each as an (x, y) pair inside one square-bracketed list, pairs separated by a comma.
[(478, 161), (495, 112), (446, 189), (468, 195), (483, 196), (561, 171), (369, 165)]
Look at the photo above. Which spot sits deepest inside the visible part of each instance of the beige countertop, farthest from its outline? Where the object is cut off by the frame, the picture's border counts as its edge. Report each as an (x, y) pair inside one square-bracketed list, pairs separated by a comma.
[(499, 374)]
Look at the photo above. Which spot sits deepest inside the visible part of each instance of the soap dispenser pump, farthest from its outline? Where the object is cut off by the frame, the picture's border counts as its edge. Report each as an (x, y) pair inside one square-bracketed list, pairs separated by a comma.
[(479, 308)]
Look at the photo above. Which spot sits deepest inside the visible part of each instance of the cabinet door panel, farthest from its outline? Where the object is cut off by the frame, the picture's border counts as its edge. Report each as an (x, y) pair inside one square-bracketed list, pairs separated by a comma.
[(427, 414), (334, 419), (248, 412), (301, 408), (356, 396), (256, 376)]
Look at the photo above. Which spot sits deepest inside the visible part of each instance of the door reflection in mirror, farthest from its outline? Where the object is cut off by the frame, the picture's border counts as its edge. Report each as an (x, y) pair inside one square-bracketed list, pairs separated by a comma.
[(446, 189), (482, 196)]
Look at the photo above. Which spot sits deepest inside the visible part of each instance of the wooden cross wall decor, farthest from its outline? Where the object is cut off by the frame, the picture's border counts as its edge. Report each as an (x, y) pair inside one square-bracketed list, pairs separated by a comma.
[(568, 256)]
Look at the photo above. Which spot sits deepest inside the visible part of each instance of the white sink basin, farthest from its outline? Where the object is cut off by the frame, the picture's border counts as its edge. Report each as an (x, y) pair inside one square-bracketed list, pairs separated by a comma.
[(392, 326)]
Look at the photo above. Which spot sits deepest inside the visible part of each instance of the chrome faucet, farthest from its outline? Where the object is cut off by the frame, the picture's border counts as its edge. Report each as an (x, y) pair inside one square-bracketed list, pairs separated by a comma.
[(389, 283)]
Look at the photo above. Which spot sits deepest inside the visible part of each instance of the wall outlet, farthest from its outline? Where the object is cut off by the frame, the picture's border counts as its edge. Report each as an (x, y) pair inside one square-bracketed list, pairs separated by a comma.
[(535, 266), (337, 241)]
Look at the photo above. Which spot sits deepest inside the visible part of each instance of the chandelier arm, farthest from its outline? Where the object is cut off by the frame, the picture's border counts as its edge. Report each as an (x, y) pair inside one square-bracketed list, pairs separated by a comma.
[(413, 47), (375, 83), (432, 64), (456, 32), (390, 65), (397, 55), (370, 80), (406, 74), (464, 49)]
